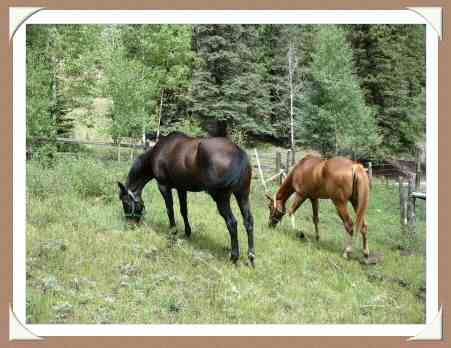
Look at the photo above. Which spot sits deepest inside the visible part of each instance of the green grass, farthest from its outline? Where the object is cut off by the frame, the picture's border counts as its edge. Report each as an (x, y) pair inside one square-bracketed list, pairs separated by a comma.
[(84, 265)]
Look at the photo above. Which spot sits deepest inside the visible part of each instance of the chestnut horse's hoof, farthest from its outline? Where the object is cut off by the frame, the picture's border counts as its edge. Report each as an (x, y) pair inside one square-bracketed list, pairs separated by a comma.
[(347, 254)]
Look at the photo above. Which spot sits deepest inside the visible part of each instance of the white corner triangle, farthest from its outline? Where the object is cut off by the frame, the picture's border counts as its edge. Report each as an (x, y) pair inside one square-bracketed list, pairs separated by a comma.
[(433, 331), (18, 331), (432, 15), (18, 15)]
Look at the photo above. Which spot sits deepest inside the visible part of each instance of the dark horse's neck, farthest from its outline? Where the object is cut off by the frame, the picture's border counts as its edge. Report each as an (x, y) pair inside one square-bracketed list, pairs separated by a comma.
[(285, 191), (140, 173)]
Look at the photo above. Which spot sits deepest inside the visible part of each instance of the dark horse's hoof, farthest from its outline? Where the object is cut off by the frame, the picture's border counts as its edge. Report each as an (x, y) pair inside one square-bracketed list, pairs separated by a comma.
[(234, 259), (252, 262), (251, 257)]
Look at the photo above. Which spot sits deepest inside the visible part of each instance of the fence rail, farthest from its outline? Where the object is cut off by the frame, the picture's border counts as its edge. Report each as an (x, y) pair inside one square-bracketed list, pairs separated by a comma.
[(85, 142), (271, 163)]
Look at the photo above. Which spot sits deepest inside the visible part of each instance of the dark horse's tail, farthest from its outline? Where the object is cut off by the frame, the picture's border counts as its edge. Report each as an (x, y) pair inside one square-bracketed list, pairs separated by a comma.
[(239, 167)]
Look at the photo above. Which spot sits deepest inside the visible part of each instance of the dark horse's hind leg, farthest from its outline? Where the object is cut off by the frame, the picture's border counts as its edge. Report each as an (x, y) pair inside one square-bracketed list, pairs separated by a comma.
[(223, 204), (243, 203), (167, 195), (184, 211)]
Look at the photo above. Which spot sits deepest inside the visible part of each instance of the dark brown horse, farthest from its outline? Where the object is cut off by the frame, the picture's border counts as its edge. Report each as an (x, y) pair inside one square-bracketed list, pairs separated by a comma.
[(177, 161), (338, 179)]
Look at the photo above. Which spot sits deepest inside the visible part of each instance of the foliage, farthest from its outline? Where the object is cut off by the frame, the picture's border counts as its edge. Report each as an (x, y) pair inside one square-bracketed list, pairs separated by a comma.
[(61, 75), (227, 87), (391, 67), (355, 86), (336, 119)]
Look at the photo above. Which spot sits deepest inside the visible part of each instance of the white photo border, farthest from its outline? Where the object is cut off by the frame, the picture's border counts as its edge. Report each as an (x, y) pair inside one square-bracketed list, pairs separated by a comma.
[(220, 17)]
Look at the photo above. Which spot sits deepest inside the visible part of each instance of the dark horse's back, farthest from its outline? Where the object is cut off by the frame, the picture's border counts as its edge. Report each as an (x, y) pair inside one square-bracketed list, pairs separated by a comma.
[(200, 164)]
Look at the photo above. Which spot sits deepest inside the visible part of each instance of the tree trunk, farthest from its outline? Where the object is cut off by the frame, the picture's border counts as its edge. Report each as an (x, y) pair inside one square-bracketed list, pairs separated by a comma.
[(292, 64), (291, 69), (159, 114)]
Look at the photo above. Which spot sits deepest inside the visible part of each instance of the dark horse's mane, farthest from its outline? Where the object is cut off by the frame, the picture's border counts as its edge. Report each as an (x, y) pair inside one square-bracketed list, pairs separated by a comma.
[(139, 170)]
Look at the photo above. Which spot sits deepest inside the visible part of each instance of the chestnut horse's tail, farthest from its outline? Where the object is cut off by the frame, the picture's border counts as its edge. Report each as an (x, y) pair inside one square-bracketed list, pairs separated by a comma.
[(360, 194)]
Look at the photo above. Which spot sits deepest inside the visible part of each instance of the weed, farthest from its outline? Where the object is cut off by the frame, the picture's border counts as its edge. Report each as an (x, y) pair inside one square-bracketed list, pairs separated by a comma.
[(84, 265)]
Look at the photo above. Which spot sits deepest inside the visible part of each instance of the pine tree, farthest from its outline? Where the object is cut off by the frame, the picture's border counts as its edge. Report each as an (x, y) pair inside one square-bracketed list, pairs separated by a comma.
[(391, 67), (336, 119), (228, 90)]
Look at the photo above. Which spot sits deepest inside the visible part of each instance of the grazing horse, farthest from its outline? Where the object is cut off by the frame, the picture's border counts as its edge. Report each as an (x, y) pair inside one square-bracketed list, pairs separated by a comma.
[(177, 161), (338, 179)]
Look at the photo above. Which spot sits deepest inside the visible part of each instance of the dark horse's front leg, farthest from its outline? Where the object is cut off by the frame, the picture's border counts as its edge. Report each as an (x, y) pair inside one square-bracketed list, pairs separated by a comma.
[(167, 195), (223, 204), (184, 211)]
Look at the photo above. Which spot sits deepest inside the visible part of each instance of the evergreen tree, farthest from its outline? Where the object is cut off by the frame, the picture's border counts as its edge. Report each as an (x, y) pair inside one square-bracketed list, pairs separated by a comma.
[(336, 119), (391, 67), (228, 89)]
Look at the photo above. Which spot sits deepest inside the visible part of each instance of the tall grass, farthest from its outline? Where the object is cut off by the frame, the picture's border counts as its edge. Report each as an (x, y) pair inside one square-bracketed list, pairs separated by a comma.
[(84, 265)]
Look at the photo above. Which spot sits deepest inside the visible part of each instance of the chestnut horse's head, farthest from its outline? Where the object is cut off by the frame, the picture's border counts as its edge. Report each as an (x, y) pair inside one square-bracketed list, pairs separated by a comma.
[(133, 205), (276, 211)]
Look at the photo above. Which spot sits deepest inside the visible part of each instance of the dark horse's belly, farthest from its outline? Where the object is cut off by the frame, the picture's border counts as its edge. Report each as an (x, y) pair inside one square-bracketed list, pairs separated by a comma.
[(187, 183)]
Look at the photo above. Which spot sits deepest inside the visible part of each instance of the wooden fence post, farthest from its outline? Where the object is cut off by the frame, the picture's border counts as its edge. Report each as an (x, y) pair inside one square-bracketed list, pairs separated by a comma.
[(132, 151), (119, 151), (418, 171), (279, 166), (260, 170), (288, 160), (411, 218), (402, 203), (370, 173)]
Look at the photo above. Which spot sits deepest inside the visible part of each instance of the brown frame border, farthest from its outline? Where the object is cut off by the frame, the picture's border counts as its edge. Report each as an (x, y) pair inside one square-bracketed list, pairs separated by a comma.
[(444, 169)]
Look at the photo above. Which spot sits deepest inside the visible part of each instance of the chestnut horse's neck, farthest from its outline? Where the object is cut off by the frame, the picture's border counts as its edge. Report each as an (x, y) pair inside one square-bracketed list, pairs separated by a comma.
[(140, 173), (284, 192)]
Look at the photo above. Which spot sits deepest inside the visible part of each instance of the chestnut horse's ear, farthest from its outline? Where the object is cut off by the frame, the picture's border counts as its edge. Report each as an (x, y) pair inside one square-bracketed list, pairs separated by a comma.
[(122, 189)]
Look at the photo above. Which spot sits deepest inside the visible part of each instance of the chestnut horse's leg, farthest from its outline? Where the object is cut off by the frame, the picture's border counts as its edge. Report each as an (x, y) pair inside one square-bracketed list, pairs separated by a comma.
[(315, 208), (342, 211), (167, 195), (298, 200), (243, 203), (184, 211), (363, 232), (223, 204)]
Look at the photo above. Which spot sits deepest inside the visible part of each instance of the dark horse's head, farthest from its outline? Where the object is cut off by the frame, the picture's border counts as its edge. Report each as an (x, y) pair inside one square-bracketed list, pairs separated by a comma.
[(133, 204), (276, 211)]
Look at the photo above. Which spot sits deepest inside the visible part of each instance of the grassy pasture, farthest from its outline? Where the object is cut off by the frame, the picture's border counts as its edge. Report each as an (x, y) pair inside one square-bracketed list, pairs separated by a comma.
[(85, 266)]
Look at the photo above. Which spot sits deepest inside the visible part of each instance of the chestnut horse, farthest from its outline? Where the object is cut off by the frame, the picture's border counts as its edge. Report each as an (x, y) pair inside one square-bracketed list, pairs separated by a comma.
[(338, 179), (177, 161)]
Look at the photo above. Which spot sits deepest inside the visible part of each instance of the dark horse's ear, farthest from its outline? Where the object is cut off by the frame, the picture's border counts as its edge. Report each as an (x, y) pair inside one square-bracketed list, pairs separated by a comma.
[(122, 189)]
